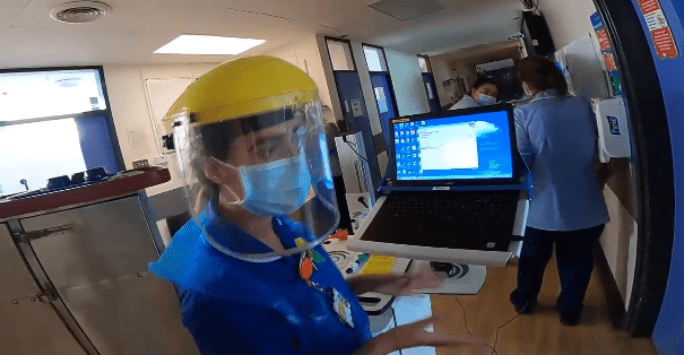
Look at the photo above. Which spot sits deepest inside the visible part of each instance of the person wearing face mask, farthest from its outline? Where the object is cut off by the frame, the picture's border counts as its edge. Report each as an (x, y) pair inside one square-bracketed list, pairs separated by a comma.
[(485, 92), (250, 272), (556, 136)]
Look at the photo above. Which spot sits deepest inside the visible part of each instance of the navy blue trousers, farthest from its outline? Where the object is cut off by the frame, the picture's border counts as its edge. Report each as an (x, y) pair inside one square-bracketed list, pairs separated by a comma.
[(575, 260)]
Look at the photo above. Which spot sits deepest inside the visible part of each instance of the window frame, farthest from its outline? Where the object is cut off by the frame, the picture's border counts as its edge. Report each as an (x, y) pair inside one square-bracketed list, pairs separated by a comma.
[(107, 112)]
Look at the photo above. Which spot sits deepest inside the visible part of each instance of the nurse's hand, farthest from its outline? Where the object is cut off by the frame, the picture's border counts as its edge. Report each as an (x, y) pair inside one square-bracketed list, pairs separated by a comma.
[(414, 334), (396, 285)]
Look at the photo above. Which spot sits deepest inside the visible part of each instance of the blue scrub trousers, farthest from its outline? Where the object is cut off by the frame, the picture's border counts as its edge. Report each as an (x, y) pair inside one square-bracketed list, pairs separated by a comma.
[(575, 260)]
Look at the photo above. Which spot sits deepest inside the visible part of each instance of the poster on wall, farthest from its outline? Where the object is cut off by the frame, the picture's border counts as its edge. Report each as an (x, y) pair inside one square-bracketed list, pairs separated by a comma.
[(381, 99), (608, 54), (603, 40), (357, 108), (663, 40)]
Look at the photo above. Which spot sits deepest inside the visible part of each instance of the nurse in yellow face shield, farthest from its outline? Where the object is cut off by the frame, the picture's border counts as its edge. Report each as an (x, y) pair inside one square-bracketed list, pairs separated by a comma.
[(251, 274)]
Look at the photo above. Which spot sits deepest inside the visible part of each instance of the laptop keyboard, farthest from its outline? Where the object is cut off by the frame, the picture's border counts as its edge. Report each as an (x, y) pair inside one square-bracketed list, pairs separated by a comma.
[(472, 207), (481, 220)]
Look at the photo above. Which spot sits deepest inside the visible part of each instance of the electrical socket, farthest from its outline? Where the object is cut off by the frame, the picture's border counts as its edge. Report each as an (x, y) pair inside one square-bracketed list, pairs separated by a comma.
[(140, 164)]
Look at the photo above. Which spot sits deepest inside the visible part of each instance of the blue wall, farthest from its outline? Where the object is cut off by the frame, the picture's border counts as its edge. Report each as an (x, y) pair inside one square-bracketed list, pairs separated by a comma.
[(668, 335)]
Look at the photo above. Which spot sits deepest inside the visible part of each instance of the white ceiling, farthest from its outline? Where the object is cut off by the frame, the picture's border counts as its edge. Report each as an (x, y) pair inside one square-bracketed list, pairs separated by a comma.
[(135, 28)]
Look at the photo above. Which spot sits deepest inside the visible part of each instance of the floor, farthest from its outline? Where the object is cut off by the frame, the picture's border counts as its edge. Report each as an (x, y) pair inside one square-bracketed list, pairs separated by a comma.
[(538, 333)]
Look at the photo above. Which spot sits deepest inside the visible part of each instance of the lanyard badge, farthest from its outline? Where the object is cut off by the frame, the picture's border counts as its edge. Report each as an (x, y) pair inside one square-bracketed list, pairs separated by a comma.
[(307, 265), (342, 308)]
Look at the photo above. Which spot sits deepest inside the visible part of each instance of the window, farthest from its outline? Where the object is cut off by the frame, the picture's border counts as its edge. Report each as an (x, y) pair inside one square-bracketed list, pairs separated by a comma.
[(52, 123), (375, 58), (424, 63), (26, 95), (340, 55)]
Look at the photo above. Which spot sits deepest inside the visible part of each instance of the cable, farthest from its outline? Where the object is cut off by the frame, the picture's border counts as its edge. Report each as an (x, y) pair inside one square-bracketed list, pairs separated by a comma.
[(370, 166), (465, 320), (396, 324), (496, 334)]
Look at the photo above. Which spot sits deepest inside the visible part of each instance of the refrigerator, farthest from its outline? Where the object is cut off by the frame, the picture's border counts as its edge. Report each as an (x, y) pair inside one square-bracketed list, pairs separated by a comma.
[(75, 281)]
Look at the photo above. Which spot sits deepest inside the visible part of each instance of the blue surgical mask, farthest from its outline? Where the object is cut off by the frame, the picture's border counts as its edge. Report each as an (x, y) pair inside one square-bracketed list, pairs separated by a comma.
[(277, 188), (483, 99)]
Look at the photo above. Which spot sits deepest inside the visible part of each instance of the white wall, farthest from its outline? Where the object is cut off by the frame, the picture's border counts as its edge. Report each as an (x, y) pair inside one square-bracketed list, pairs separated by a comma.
[(407, 81), (619, 244), (132, 117), (567, 20), (306, 56)]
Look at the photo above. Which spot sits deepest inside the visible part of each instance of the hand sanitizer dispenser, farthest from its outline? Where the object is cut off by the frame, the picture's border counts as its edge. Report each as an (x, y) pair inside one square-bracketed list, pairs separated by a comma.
[(613, 129)]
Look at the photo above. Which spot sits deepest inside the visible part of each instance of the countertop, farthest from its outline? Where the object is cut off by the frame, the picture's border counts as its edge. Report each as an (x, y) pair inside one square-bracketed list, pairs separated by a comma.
[(117, 185)]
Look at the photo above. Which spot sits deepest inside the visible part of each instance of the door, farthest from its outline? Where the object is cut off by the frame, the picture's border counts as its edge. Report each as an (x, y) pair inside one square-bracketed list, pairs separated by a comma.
[(384, 98), (29, 324), (431, 91), (354, 108), (352, 101), (651, 86), (99, 270), (429, 81), (383, 90)]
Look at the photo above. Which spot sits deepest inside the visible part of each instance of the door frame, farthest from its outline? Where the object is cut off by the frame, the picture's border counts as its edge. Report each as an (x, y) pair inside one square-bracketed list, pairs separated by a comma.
[(387, 72), (372, 161), (653, 165), (430, 72)]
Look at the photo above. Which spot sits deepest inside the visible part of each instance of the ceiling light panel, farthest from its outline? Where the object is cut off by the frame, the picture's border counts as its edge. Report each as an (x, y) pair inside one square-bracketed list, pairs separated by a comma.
[(208, 45)]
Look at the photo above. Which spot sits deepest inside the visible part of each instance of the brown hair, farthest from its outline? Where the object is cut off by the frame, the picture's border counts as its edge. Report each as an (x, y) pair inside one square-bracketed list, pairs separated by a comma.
[(542, 74)]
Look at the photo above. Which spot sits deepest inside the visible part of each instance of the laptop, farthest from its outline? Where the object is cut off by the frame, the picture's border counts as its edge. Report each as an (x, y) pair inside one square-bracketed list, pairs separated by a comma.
[(456, 191)]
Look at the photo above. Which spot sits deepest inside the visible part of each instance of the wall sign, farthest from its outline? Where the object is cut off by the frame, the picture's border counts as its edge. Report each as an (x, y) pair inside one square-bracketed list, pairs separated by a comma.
[(357, 108), (611, 64), (603, 40), (608, 54), (660, 30), (381, 99)]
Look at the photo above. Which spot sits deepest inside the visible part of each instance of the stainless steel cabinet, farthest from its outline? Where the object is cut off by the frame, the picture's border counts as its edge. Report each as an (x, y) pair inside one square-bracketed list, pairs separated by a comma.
[(28, 323), (97, 266)]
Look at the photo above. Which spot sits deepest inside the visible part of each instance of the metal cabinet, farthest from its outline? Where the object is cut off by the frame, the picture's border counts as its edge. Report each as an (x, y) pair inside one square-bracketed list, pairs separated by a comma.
[(97, 265), (29, 323)]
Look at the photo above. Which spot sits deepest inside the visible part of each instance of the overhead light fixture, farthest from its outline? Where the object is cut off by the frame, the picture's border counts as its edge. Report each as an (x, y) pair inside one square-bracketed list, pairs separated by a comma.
[(77, 12), (208, 45)]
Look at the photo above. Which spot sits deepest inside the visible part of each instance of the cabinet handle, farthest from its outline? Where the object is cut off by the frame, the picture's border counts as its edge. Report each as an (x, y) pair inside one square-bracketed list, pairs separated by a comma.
[(31, 236)]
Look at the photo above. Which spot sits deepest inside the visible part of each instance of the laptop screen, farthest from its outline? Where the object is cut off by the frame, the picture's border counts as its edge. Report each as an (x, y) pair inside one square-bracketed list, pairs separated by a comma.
[(460, 146)]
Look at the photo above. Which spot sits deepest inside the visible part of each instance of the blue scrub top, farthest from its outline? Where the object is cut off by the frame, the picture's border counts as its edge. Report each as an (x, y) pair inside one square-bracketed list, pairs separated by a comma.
[(557, 139), (233, 306)]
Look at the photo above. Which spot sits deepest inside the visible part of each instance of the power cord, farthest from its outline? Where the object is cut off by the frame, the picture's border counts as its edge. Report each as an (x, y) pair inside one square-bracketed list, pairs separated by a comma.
[(396, 324), (370, 166), (496, 334), (496, 337)]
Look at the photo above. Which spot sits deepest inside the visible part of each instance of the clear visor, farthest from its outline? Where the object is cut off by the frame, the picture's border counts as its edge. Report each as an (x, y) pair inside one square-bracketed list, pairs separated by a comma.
[(260, 186)]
